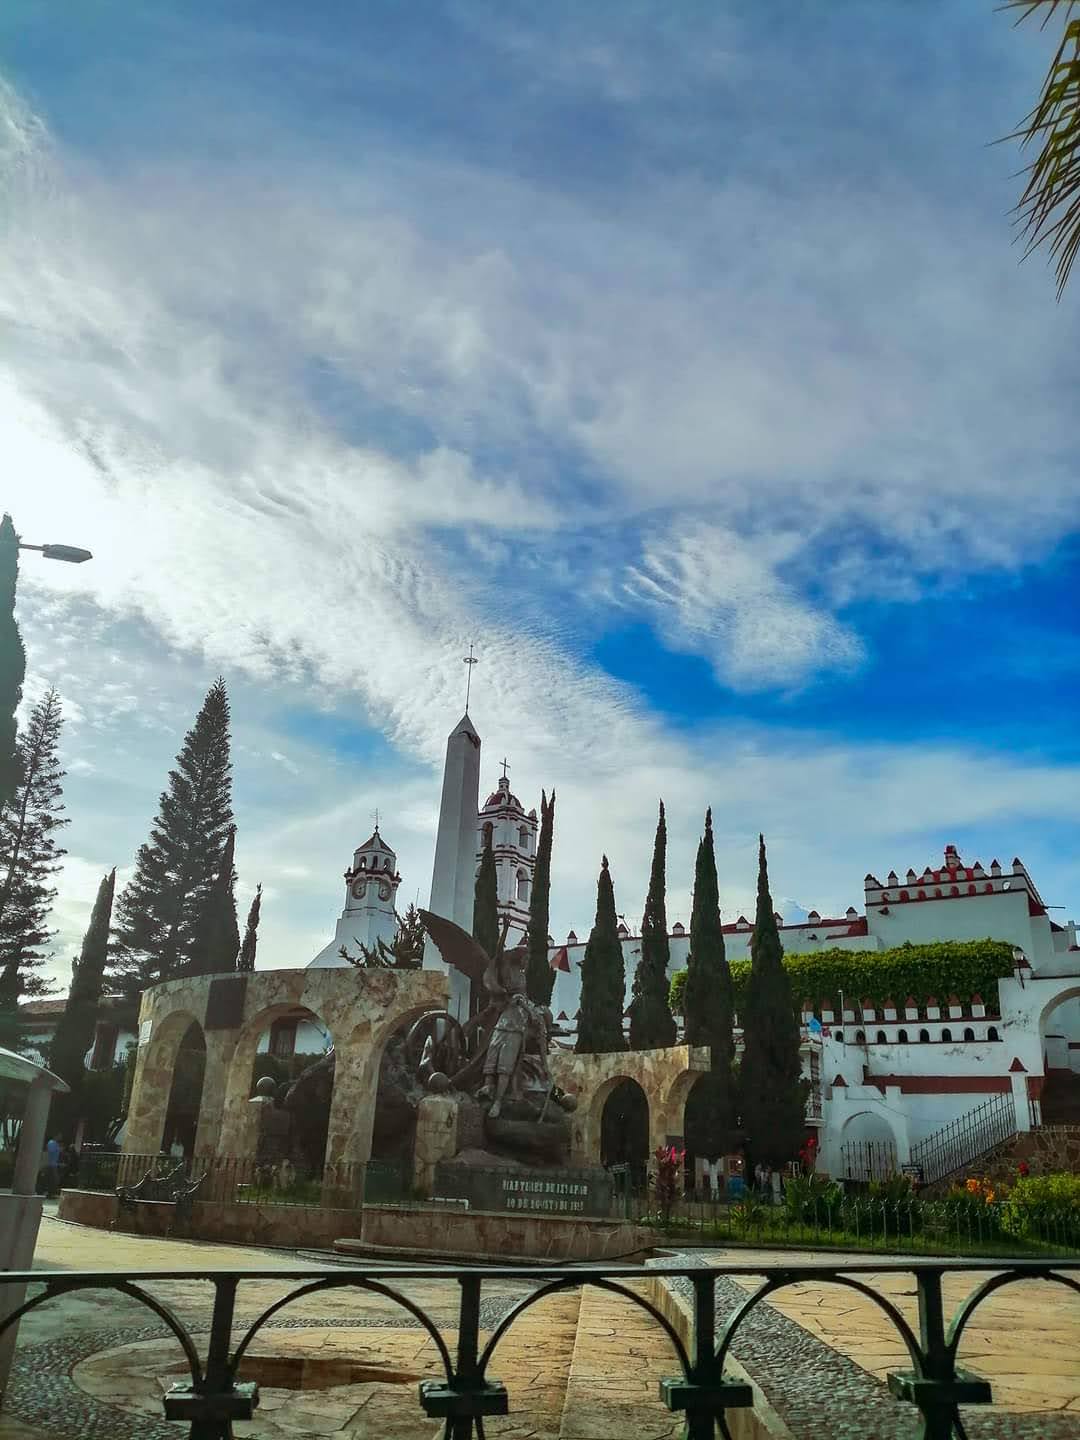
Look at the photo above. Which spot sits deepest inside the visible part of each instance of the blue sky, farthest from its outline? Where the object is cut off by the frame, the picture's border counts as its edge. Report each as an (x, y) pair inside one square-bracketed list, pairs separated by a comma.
[(681, 357)]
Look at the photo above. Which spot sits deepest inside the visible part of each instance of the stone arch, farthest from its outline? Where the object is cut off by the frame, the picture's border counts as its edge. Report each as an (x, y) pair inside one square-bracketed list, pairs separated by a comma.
[(186, 1091), (155, 1066), (352, 1117), (870, 1144), (240, 1068), (589, 1119), (625, 1127)]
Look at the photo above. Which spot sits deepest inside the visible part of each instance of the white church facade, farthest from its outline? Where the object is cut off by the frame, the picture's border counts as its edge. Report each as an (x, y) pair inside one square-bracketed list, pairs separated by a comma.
[(893, 1074)]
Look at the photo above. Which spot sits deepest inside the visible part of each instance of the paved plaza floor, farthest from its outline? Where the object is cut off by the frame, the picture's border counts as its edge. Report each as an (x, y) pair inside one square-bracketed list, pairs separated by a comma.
[(579, 1366)]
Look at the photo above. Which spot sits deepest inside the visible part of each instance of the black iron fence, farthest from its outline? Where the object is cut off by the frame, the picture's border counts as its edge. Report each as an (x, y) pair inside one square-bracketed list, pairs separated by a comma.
[(243, 1181), (702, 1388), (886, 1217), (864, 1160)]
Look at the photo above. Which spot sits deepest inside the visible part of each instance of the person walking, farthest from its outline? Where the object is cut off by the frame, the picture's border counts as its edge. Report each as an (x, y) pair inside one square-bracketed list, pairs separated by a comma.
[(52, 1168)]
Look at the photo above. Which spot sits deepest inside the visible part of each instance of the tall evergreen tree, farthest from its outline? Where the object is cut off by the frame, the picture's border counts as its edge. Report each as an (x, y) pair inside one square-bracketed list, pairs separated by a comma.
[(603, 977), (161, 910), (217, 946), (652, 1024), (772, 1092), (75, 1028), (539, 976), (12, 659), (29, 857), (486, 900), (708, 1006), (251, 931)]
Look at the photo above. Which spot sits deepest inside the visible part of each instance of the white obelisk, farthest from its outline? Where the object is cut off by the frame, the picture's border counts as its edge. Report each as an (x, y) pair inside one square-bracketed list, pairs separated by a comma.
[(453, 879)]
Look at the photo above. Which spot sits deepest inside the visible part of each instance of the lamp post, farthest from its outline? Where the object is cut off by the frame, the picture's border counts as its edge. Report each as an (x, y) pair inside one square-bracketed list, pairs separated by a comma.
[(71, 553)]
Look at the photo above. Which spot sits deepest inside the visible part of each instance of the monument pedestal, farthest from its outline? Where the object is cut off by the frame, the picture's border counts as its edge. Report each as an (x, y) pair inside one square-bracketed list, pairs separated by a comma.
[(436, 1138)]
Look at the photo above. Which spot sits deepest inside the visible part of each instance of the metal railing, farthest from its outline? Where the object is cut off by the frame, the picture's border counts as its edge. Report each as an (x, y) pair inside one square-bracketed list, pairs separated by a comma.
[(966, 1139), (874, 1218), (244, 1181), (702, 1388)]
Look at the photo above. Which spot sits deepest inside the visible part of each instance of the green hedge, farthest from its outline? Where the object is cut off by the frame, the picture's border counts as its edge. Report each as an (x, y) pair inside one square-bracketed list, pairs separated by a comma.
[(944, 968)]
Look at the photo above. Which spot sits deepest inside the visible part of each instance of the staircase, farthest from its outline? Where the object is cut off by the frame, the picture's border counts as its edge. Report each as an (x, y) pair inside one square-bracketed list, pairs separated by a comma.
[(968, 1138)]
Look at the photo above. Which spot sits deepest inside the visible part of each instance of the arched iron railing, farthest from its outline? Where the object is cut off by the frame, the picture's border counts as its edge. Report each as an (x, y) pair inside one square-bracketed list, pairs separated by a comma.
[(706, 1391)]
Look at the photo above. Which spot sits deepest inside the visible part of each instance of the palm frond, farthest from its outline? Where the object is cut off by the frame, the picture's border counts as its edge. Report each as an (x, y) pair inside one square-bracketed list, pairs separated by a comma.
[(1049, 209)]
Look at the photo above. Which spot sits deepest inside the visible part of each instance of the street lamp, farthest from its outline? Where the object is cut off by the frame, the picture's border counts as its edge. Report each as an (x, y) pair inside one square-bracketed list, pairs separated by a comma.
[(71, 553)]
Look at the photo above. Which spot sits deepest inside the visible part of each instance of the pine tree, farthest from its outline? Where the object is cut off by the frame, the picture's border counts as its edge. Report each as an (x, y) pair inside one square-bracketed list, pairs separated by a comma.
[(603, 977), (708, 1007), (75, 1028), (405, 952), (159, 912), (772, 1092), (218, 944), (652, 1024), (251, 930), (12, 659), (29, 856), (485, 927), (539, 976)]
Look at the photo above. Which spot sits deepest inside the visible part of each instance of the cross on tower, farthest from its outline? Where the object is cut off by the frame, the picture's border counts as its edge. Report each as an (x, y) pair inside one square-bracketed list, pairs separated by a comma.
[(505, 766), (375, 817), (470, 660)]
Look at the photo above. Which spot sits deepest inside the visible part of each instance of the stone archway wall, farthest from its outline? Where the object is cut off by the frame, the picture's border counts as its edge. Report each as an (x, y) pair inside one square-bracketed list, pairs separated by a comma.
[(667, 1076), (360, 1008)]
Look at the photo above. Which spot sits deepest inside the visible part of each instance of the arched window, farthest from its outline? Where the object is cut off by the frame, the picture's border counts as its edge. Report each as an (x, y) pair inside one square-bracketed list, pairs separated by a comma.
[(489, 831), (840, 1036), (924, 1037), (882, 1038), (522, 886), (946, 1035), (969, 1034), (523, 838), (860, 1037), (992, 1033), (386, 863), (901, 1036)]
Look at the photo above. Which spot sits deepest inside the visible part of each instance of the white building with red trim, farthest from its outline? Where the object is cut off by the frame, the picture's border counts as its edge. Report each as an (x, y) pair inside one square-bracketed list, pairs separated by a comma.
[(887, 1080)]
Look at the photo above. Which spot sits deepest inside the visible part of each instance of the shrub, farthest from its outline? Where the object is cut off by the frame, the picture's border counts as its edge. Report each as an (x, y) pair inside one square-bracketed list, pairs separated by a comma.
[(1038, 1205), (893, 1190), (665, 1179), (963, 967), (808, 1199)]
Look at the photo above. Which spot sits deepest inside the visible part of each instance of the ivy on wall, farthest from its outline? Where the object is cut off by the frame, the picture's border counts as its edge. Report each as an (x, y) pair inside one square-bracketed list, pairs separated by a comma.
[(941, 969)]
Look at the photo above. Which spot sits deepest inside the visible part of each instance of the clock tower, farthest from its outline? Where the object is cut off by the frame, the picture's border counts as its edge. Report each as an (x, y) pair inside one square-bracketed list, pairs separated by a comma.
[(371, 885)]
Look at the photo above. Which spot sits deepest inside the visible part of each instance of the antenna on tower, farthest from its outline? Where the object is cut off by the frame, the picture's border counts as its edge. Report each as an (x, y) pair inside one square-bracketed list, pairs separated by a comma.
[(470, 660)]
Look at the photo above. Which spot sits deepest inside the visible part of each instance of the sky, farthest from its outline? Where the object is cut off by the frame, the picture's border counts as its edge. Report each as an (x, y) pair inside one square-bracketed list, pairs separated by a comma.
[(681, 360)]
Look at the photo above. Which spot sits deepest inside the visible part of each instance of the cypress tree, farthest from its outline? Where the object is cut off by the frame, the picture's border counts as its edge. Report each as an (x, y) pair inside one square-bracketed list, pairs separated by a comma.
[(603, 977), (652, 1024), (161, 909), (772, 1091), (218, 945), (29, 857), (247, 949), (539, 976), (708, 1009), (75, 1028), (12, 659), (486, 901)]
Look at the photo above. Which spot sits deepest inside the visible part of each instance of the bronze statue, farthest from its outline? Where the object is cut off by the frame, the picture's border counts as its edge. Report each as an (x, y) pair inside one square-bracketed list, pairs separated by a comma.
[(505, 1044)]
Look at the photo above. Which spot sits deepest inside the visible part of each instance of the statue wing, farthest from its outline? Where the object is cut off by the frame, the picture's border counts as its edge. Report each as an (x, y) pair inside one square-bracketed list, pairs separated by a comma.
[(456, 947)]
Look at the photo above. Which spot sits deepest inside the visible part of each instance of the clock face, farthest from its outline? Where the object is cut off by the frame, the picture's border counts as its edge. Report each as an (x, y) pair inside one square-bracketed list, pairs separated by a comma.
[(359, 889), (384, 890)]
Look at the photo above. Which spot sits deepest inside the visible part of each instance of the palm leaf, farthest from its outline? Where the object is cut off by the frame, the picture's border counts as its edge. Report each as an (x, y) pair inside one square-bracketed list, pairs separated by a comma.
[(1049, 209)]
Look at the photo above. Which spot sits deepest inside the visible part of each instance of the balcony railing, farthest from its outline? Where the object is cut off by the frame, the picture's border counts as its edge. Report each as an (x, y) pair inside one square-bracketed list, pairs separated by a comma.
[(702, 1386)]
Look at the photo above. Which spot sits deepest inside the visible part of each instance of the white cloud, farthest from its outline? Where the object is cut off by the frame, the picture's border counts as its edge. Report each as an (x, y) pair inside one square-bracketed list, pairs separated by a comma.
[(158, 404), (720, 594)]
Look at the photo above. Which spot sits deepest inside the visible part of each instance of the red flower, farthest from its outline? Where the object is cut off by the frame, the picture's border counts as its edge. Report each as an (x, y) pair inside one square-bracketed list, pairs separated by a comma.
[(1023, 1169)]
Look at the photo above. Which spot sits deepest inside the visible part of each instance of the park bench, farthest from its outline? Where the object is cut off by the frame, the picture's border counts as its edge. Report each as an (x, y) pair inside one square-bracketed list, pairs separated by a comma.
[(174, 1189)]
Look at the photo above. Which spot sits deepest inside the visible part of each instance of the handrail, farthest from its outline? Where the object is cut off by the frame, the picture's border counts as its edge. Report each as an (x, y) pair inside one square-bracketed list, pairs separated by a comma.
[(214, 1397), (965, 1139)]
